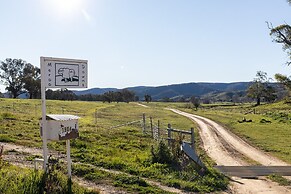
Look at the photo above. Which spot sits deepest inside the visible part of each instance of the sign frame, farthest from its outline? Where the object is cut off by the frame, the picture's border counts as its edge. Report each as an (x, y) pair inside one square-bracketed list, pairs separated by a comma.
[(65, 73)]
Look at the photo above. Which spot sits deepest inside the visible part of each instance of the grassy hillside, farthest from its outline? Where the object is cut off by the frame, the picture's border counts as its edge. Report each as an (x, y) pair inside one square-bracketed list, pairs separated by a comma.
[(270, 129), (101, 144)]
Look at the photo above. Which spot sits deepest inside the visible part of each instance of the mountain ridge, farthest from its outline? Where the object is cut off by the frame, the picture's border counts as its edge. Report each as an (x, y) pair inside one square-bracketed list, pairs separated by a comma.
[(185, 90)]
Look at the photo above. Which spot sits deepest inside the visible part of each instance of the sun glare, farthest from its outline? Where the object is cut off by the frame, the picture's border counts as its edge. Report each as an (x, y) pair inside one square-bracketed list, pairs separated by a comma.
[(65, 7)]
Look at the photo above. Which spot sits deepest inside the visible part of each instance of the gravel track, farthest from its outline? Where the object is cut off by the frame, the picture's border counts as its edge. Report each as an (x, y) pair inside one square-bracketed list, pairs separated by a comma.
[(218, 141)]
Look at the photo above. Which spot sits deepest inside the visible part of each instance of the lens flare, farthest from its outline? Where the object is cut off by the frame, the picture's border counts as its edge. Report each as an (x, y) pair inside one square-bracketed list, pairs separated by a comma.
[(65, 7)]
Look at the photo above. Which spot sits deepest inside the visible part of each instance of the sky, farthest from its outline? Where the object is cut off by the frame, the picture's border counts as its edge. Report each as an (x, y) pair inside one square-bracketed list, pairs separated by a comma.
[(148, 42)]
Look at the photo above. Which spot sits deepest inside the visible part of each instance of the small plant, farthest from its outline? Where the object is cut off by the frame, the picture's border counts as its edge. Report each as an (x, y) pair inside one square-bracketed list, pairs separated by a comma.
[(172, 156), (161, 154), (279, 179)]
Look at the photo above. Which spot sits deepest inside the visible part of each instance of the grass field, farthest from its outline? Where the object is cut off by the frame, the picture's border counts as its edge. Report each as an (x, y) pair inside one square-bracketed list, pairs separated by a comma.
[(270, 129), (125, 149)]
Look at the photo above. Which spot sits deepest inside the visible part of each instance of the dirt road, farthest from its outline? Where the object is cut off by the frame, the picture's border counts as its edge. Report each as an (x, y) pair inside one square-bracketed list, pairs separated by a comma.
[(227, 149)]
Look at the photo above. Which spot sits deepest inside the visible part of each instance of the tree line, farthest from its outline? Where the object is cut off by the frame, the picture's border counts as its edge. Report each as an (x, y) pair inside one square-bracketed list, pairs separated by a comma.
[(123, 95), (21, 77)]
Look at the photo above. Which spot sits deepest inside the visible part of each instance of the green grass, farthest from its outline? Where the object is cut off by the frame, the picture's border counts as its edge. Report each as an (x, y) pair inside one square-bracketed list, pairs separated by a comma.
[(269, 130), (131, 183), (125, 148), (280, 180), (16, 180)]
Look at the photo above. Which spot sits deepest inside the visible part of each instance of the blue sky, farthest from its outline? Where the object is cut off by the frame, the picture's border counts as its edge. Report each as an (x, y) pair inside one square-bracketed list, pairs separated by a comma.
[(148, 42)]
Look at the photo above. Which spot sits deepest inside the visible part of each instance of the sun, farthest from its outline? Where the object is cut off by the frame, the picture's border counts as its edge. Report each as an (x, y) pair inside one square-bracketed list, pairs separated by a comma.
[(65, 7)]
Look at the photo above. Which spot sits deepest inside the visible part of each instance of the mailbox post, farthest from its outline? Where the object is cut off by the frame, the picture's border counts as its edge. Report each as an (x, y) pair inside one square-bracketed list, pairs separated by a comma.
[(60, 73), (60, 128)]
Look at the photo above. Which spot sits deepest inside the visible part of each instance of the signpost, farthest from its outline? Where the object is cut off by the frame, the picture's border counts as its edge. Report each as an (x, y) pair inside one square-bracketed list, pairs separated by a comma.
[(60, 73)]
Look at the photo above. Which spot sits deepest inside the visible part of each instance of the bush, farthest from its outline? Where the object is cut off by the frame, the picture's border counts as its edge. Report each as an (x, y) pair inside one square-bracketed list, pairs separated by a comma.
[(161, 154)]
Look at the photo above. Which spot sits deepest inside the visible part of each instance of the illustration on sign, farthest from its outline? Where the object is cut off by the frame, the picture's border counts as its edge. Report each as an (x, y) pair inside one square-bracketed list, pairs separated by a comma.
[(67, 74)]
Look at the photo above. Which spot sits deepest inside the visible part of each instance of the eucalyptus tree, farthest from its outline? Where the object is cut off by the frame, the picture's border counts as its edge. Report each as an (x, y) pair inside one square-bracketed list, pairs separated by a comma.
[(31, 79), (260, 88), (282, 34), (11, 75)]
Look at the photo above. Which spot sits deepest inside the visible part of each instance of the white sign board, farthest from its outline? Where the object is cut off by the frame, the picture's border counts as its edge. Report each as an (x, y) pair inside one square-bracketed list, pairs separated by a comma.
[(64, 73)]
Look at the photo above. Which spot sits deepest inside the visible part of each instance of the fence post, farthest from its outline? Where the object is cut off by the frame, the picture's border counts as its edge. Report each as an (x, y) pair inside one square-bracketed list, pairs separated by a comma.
[(143, 123), (169, 135), (151, 123), (192, 138)]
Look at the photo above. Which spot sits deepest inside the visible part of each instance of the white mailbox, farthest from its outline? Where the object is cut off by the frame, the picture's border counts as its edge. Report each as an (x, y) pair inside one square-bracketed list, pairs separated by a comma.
[(61, 127)]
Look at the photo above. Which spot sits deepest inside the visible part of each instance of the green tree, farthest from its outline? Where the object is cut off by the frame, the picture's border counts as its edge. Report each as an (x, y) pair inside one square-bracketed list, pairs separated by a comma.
[(31, 80), (147, 98), (283, 79), (108, 97), (282, 34), (260, 88), (127, 95), (11, 75), (195, 101)]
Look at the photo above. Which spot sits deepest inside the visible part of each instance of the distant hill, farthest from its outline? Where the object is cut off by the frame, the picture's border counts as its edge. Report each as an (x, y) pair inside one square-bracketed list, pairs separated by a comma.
[(94, 91), (175, 91), (187, 90)]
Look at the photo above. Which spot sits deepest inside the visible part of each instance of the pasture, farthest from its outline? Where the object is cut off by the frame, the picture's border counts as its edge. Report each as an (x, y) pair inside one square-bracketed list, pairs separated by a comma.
[(102, 147)]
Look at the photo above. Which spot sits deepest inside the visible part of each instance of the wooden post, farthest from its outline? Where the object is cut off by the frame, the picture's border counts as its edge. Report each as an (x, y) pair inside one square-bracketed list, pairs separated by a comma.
[(169, 135), (151, 123), (192, 138), (143, 123), (69, 158)]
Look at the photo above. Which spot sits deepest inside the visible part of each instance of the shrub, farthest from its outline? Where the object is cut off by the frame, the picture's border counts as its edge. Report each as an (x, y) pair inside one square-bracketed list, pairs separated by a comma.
[(161, 154)]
